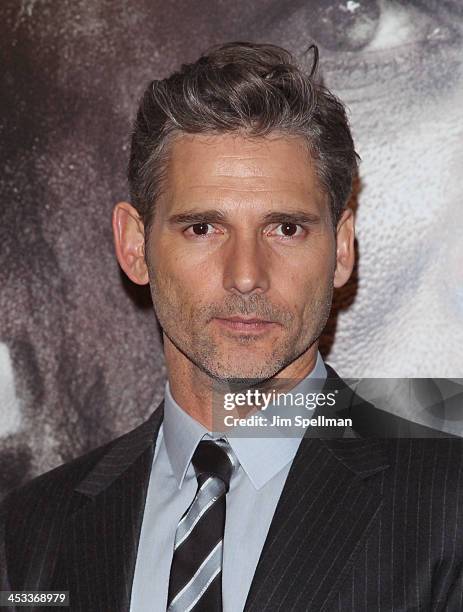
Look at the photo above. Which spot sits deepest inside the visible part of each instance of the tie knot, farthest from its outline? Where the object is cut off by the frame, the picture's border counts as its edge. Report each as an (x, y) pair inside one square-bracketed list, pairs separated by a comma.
[(214, 458)]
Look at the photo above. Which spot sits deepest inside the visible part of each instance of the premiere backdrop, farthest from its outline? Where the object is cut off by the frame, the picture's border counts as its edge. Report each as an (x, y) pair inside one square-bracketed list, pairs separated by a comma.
[(80, 353)]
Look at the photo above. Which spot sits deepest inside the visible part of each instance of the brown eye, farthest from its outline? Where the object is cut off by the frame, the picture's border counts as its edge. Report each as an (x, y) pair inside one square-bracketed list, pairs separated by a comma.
[(289, 229), (200, 229)]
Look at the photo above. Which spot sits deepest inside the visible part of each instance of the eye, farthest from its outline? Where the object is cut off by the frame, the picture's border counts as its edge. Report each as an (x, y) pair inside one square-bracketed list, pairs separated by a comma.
[(378, 42), (402, 25), (376, 25), (289, 230), (199, 229)]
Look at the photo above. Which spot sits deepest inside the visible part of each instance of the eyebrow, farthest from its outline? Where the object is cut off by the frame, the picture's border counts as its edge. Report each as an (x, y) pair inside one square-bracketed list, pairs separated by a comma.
[(218, 216)]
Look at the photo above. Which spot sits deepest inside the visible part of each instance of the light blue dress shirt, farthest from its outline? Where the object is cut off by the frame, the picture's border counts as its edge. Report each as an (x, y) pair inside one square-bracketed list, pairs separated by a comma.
[(251, 501)]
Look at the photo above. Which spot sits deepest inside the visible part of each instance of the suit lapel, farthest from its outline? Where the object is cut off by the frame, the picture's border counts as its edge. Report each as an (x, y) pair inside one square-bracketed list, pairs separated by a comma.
[(323, 517), (97, 560)]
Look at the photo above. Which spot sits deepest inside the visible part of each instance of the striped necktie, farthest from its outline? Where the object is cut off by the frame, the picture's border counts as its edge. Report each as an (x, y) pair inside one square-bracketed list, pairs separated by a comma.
[(196, 572)]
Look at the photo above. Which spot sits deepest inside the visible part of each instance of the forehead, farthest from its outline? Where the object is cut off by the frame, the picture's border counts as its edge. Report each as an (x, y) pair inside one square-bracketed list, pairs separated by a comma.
[(239, 163)]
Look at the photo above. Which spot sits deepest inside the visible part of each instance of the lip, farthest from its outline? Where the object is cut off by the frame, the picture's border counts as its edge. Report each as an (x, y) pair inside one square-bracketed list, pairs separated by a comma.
[(244, 324)]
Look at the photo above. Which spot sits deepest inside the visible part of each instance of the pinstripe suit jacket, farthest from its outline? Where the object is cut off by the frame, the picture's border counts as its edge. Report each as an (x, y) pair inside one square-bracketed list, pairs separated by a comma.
[(364, 523)]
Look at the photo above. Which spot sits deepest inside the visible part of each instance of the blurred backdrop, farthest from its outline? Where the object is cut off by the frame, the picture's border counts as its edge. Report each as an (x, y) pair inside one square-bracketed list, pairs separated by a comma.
[(80, 352)]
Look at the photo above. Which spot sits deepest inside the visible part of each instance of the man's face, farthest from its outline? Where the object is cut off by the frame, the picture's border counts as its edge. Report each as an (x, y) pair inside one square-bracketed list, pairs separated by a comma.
[(242, 230)]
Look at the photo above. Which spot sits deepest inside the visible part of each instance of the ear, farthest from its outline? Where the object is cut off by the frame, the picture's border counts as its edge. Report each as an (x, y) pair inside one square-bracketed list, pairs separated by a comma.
[(345, 249), (129, 241)]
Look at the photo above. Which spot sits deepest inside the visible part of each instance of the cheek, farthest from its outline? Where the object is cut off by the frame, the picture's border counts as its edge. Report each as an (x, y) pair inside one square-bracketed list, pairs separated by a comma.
[(302, 278), (169, 269), (185, 286)]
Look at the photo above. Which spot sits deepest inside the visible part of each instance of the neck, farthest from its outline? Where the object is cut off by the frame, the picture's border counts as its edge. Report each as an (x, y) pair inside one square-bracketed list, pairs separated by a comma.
[(192, 388)]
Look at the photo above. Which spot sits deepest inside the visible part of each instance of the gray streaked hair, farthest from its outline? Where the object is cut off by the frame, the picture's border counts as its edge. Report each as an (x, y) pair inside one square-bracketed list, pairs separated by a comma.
[(250, 88)]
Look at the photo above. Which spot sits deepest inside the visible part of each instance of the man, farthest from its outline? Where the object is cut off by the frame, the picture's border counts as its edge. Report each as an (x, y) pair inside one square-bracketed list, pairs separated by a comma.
[(240, 170)]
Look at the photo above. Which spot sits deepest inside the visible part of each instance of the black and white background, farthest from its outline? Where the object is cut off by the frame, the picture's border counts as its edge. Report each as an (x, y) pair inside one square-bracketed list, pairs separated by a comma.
[(80, 353)]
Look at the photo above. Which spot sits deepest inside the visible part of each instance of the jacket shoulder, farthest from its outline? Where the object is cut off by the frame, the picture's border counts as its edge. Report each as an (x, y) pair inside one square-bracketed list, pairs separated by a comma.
[(35, 516), (32, 514), (54, 482), (59, 482)]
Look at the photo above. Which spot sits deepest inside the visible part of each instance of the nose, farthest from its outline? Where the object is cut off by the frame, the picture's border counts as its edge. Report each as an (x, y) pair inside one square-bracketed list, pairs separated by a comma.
[(246, 265)]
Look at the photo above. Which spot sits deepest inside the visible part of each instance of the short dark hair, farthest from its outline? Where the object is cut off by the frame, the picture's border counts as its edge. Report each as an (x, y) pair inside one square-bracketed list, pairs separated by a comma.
[(241, 87)]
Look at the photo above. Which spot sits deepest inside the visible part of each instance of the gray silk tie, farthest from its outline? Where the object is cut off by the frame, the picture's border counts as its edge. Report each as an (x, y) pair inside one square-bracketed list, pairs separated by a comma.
[(196, 572)]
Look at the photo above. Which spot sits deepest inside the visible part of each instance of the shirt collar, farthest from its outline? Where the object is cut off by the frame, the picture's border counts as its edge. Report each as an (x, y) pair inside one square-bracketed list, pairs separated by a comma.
[(261, 458)]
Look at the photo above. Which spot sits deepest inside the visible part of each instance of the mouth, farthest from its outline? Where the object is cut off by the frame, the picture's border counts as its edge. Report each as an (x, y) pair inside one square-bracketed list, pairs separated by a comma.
[(246, 324)]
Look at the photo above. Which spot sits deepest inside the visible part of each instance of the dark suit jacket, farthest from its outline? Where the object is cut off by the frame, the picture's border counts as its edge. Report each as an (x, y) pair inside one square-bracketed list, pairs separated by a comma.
[(364, 523)]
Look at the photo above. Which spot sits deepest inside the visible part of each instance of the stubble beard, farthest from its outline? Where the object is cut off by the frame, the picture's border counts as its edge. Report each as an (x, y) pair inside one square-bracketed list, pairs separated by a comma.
[(196, 342)]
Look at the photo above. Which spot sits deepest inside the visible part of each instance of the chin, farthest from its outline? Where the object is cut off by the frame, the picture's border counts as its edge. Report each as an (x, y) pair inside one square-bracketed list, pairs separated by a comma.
[(239, 374)]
